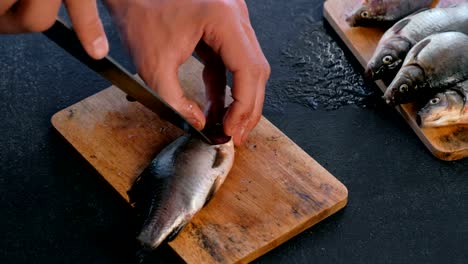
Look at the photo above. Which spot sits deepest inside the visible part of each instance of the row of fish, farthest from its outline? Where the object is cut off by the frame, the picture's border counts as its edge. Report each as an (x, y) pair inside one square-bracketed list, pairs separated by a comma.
[(424, 53)]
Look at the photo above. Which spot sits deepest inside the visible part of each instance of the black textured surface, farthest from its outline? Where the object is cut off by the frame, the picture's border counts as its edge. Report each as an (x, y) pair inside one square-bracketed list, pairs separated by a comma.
[(404, 205)]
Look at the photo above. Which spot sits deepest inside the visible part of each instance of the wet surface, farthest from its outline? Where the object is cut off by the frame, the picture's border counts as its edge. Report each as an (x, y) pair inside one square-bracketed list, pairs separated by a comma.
[(404, 205), (323, 77)]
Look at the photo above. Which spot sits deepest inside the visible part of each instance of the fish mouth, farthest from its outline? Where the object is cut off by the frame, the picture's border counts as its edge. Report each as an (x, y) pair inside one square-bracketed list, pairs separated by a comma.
[(419, 120), (369, 73), (389, 100), (351, 20)]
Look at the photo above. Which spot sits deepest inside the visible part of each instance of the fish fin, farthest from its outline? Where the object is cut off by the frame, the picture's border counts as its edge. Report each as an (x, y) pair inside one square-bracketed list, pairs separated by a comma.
[(146, 193), (213, 190), (162, 165), (419, 11), (220, 157), (142, 254), (400, 25), (175, 232), (419, 47)]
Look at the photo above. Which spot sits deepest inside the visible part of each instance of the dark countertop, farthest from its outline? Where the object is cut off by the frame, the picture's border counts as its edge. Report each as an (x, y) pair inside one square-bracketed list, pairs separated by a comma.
[(405, 206)]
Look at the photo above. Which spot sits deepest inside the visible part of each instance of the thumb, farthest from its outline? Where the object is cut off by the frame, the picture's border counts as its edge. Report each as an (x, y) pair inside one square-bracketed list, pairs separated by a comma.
[(87, 24), (166, 84)]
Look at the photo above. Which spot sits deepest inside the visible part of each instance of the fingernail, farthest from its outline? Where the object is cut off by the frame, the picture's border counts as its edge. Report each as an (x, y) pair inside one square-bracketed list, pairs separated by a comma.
[(197, 124), (100, 47)]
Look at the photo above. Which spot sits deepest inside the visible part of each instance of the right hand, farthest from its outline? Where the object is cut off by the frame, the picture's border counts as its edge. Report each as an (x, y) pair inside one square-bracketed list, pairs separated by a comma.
[(163, 34), (19, 16)]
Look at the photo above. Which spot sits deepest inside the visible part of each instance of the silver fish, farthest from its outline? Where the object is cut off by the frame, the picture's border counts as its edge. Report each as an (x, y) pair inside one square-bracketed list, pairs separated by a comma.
[(447, 108), (435, 63), (180, 180), (378, 12), (401, 37)]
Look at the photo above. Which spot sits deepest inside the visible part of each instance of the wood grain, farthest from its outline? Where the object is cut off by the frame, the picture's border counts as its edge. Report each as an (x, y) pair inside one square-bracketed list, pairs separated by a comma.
[(274, 191), (446, 143)]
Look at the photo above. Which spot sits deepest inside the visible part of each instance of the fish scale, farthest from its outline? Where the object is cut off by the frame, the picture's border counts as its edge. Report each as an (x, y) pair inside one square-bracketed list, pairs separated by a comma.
[(444, 59), (447, 108), (384, 11), (177, 184), (412, 30), (435, 63)]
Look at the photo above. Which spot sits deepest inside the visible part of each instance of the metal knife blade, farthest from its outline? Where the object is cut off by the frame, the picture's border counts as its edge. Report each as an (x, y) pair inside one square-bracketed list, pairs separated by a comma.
[(108, 68)]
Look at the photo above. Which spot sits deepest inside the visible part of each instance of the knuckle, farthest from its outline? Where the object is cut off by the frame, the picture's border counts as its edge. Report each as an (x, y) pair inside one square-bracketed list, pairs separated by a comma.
[(261, 69), (245, 115), (266, 69), (222, 7), (255, 119)]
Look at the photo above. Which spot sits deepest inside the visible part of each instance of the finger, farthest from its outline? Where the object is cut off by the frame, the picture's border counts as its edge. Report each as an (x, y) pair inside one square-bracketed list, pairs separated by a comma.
[(244, 112), (6, 5), (214, 77), (88, 26), (264, 76), (164, 80), (30, 16), (250, 72), (256, 114)]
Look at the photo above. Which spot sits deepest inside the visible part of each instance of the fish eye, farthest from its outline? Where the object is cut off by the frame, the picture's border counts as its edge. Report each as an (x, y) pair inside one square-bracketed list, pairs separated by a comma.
[(387, 59), (364, 14), (434, 101), (404, 88)]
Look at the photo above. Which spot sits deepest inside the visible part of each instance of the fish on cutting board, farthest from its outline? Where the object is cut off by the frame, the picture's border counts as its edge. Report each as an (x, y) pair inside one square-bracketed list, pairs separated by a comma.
[(374, 13), (434, 64), (177, 184), (395, 44), (447, 108)]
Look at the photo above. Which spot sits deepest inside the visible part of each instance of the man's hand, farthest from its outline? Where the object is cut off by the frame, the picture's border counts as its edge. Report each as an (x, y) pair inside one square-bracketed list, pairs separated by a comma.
[(162, 34), (17, 16)]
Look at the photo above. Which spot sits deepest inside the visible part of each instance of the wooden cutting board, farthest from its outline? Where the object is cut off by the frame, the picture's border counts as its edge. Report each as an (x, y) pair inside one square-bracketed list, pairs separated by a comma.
[(446, 143), (274, 191)]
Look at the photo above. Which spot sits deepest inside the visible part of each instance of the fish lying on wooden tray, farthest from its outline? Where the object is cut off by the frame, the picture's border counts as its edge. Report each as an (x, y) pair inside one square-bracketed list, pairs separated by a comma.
[(447, 108), (401, 37), (176, 185), (384, 12), (434, 64)]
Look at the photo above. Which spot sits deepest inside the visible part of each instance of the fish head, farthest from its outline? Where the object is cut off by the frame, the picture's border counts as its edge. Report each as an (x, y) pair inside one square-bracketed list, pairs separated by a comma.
[(407, 85), (387, 58), (443, 109), (364, 15)]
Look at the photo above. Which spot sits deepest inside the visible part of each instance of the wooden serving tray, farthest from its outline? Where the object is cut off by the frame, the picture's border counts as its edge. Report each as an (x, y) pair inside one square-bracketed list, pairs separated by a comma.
[(274, 191), (446, 143)]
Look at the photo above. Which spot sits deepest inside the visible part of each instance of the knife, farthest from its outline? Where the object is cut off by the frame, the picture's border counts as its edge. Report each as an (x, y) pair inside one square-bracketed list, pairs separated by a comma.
[(108, 68)]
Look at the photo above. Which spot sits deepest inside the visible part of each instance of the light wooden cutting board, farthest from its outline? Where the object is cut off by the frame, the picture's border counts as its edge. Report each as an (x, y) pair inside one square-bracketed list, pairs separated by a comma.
[(446, 143), (274, 191)]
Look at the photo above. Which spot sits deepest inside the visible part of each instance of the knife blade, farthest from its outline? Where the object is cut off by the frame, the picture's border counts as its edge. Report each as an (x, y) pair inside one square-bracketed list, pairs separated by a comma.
[(66, 38)]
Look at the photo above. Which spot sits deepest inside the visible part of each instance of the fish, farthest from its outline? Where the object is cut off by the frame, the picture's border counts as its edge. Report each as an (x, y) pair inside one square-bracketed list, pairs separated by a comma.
[(446, 108), (371, 13), (177, 184), (434, 64), (396, 42)]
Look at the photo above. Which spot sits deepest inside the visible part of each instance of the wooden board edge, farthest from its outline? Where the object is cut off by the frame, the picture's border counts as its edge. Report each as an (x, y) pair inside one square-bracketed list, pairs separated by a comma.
[(438, 152), (301, 228), (341, 190), (341, 34), (442, 154)]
